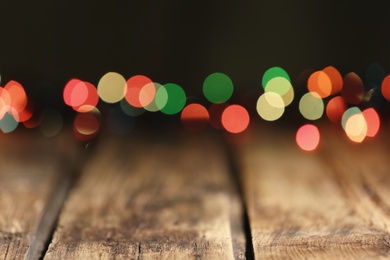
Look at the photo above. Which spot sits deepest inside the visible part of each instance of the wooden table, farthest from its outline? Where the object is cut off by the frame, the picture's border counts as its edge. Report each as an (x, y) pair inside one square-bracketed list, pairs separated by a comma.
[(181, 195)]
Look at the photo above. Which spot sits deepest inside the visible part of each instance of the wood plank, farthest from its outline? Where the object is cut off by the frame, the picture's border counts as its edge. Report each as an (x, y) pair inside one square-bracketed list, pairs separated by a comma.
[(29, 168), (151, 197), (298, 208)]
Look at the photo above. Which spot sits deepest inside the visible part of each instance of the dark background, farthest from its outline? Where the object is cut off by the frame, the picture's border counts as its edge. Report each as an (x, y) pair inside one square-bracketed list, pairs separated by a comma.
[(45, 43)]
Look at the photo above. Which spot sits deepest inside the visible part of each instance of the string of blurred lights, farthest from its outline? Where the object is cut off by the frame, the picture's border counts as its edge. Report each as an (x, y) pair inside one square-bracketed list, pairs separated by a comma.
[(328, 93)]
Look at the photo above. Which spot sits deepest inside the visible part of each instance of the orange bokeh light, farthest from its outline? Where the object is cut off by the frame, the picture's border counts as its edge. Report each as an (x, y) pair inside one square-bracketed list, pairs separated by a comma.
[(335, 109), (320, 82), (194, 117), (336, 79), (86, 126), (17, 94), (386, 88)]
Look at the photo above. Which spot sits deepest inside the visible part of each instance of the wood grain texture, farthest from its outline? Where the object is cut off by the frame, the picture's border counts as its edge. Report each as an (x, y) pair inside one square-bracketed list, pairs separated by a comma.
[(144, 198), (29, 166), (321, 205)]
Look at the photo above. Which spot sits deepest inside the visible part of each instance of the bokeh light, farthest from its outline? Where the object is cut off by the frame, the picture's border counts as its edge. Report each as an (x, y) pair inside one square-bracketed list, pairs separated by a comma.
[(91, 101), (161, 96), (112, 87), (356, 128), (270, 106), (176, 99), (335, 109), (385, 87), (320, 83), (311, 106), (136, 95), (195, 117), (353, 89), (373, 121), (354, 124), (217, 88), (5, 102), (282, 87), (335, 78), (8, 123), (27, 113), (86, 125), (274, 72), (348, 113), (308, 137), (17, 94), (75, 93), (235, 119)]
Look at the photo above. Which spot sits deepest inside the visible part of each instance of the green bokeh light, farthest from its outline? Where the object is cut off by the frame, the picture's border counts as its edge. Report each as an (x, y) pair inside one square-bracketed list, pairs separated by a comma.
[(176, 98), (273, 73), (8, 123), (218, 88)]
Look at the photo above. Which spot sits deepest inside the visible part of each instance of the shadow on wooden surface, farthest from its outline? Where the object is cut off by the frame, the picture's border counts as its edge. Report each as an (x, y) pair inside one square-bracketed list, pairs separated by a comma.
[(186, 196)]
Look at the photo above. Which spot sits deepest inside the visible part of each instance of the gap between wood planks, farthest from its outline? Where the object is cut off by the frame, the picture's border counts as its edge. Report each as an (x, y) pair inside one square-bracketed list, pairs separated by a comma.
[(70, 169), (70, 172)]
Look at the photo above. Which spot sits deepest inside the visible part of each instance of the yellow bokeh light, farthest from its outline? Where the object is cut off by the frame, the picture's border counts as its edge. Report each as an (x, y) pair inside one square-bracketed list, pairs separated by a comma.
[(278, 85), (311, 106), (356, 128), (270, 106), (112, 87)]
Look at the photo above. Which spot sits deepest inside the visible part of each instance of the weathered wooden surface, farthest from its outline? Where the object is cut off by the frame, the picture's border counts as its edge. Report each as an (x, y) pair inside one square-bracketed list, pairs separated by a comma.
[(332, 204), (29, 169), (151, 198)]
